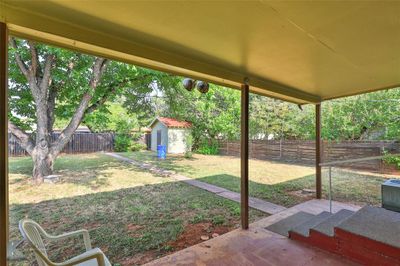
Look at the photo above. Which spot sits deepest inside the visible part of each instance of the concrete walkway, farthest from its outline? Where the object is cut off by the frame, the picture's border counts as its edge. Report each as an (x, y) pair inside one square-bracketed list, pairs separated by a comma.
[(254, 203)]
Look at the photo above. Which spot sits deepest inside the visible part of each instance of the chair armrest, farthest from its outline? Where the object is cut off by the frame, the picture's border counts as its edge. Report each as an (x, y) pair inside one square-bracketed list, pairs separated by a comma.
[(97, 255), (83, 232)]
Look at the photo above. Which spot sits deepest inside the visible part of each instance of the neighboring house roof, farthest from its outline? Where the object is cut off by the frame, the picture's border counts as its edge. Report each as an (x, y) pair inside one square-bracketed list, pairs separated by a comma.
[(171, 122), (80, 129)]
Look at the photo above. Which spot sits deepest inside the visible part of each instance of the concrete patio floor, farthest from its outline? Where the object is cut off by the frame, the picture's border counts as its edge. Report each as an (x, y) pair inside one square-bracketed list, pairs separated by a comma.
[(258, 246)]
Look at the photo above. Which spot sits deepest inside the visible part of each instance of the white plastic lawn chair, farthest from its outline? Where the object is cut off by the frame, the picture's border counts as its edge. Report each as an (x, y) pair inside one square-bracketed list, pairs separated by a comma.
[(34, 235)]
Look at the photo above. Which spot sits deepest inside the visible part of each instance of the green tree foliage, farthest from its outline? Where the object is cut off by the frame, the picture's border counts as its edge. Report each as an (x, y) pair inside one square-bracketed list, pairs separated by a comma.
[(215, 114), (112, 117), (373, 115), (369, 116), (275, 119), (70, 75), (49, 84)]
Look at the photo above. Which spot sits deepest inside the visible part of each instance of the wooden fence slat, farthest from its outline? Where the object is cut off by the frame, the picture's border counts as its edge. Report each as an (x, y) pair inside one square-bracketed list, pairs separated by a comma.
[(79, 143), (304, 151)]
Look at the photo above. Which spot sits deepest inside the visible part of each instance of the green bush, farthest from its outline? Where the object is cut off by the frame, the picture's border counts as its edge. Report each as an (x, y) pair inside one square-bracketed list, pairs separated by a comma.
[(122, 143), (188, 155), (208, 148), (137, 146), (189, 144), (395, 160)]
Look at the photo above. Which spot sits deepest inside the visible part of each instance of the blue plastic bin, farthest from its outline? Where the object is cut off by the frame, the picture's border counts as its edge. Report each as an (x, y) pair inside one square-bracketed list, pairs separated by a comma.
[(161, 151)]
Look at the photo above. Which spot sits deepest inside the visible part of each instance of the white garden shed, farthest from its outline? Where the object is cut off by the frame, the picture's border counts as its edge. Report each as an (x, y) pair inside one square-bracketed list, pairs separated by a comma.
[(172, 133)]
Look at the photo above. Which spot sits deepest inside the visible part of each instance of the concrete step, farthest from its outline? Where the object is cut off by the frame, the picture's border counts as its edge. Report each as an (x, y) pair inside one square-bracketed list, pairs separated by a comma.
[(369, 236), (283, 226), (303, 229), (327, 226), (374, 223)]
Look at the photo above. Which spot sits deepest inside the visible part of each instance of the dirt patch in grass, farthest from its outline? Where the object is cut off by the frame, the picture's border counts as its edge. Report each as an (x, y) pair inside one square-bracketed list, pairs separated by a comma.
[(141, 258), (190, 236), (303, 194), (134, 230), (193, 232)]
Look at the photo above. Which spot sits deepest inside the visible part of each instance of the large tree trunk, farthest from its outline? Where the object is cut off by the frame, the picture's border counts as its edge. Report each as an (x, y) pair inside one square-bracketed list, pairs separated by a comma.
[(39, 78), (43, 163)]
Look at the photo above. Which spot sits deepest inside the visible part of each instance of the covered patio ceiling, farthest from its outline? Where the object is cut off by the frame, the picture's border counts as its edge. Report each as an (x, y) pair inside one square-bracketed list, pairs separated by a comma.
[(303, 52)]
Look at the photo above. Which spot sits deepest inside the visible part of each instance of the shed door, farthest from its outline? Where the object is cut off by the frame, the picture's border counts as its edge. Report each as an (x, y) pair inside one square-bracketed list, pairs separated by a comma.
[(158, 137)]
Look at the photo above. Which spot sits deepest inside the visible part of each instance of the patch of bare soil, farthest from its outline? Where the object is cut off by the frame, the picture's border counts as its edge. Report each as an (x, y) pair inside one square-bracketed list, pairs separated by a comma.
[(193, 233), (190, 236), (133, 230), (140, 258), (303, 194)]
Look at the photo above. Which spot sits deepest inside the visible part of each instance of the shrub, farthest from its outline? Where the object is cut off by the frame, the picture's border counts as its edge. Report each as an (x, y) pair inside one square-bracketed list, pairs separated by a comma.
[(122, 143), (188, 148), (188, 155), (137, 146), (208, 148), (395, 160)]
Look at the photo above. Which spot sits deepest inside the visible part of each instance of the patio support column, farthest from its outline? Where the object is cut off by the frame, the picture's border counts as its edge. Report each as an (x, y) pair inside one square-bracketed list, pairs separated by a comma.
[(3, 146), (318, 151), (244, 157)]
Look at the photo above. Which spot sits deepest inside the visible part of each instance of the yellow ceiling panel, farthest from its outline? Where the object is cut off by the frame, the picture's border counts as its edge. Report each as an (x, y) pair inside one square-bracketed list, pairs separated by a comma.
[(293, 50)]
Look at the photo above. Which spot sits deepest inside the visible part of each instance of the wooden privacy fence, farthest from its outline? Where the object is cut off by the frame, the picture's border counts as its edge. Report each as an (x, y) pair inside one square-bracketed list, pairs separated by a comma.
[(79, 143), (304, 151)]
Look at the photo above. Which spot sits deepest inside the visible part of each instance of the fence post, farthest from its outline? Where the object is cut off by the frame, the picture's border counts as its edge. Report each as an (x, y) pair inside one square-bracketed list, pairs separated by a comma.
[(381, 162), (298, 150)]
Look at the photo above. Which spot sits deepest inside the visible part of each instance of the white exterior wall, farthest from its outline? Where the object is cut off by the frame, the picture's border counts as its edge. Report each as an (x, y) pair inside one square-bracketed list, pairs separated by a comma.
[(177, 140), (164, 135)]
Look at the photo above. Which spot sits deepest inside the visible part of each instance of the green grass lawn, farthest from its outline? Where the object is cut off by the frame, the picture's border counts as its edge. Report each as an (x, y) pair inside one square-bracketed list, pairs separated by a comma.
[(277, 182), (132, 215)]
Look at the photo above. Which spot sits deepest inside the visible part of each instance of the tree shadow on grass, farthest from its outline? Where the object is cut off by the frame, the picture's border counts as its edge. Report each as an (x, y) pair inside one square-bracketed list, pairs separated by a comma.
[(277, 193), (89, 171), (348, 187), (127, 222), (171, 163)]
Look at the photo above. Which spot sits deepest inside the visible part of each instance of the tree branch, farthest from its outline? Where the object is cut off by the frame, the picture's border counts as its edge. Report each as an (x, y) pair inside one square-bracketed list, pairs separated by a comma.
[(35, 67), (99, 67), (21, 64), (98, 70), (112, 89), (46, 80), (51, 105), (101, 101), (22, 137), (27, 72)]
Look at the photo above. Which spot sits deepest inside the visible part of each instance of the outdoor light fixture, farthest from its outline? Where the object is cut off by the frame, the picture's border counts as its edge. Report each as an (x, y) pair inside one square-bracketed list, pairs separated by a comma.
[(202, 86), (189, 84)]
